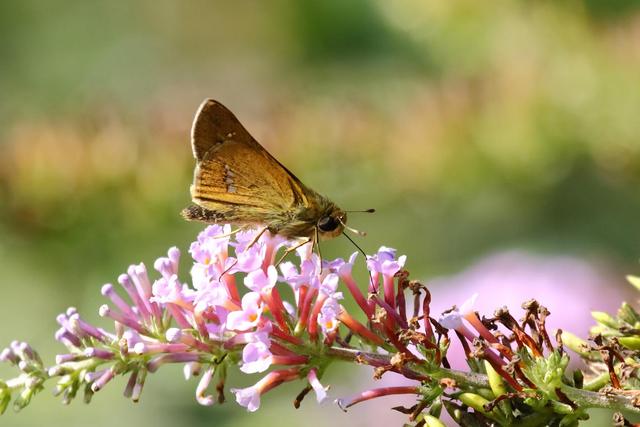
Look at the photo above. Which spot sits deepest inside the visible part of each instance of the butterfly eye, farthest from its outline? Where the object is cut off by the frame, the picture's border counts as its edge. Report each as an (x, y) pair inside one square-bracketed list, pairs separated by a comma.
[(328, 223)]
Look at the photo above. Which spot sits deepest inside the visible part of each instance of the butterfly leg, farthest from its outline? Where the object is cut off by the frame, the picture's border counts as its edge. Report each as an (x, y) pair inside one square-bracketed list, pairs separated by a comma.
[(233, 264), (255, 239), (291, 249), (232, 232), (316, 243)]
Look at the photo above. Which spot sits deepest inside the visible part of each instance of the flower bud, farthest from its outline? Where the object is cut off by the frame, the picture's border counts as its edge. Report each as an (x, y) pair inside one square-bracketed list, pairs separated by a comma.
[(495, 380), (604, 319), (635, 281), (431, 421), (574, 343), (632, 343), (474, 401)]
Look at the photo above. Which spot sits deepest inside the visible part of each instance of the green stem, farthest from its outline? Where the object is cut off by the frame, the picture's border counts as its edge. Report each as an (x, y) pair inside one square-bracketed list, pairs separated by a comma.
[(591, 399), (583, 398)]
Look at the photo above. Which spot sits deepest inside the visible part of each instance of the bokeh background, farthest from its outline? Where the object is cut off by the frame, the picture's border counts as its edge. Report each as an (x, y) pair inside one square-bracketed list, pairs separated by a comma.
[(499, 143)]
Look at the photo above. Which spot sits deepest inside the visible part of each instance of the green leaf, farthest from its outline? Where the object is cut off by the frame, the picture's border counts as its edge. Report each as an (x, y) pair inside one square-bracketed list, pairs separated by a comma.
[(495, 380), (632, 343), (547, 373), (575, 343), (627, 314), (5, 398), (431, 421), (605, 319)]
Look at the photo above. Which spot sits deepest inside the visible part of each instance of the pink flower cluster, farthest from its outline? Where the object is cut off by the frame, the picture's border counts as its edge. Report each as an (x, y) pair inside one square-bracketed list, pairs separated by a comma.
[(232, 313), (286, 321)]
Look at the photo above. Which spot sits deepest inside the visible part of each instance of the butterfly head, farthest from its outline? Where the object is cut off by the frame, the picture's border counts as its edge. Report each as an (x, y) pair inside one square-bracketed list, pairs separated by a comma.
[(331, 223)]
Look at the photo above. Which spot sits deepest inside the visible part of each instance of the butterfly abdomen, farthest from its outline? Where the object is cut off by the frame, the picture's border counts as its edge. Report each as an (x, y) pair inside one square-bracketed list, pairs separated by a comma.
[(198, 213)]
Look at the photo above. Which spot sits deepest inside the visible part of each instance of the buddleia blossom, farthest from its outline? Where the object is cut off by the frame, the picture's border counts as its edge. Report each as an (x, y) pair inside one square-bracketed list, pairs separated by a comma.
[(229, 313)]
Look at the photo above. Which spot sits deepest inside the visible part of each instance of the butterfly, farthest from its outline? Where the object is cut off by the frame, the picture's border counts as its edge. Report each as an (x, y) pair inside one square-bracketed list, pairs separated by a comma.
[(237, 181)]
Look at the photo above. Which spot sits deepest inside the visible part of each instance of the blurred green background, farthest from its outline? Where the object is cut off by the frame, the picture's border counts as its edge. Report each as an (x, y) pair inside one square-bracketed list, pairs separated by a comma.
[(470, 126)]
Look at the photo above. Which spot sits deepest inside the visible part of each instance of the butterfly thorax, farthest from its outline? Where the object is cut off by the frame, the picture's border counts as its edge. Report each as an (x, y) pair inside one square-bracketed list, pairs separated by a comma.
[(320, 217)]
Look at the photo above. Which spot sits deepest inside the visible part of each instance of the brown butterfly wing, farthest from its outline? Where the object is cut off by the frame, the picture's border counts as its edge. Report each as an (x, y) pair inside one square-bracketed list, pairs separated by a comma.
[(235, 177)]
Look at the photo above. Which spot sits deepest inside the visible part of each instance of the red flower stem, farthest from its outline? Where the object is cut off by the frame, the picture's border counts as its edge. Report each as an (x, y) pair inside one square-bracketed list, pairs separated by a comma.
[(357, 295), (416, 303), (331, 337), (304, 312), (276, 309), (479, 326), (373, 290), (396, 342), (313, 324), (201, 325), (426, 312), (277, 299), (490, 354), (518, 370), (389, 294), (279, 350), (392, 313), (278, 333), (232, 289), (269, 258), (289, 360), (179, 316), (359, 328), (375, 393), (275, 378), (503, 349), (401, 304), (302, 293), (520, 335), (465, 344), (194, 343)]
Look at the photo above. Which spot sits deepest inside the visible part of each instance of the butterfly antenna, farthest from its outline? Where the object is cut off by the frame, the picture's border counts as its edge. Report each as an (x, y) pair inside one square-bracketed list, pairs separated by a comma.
[(363, 211)]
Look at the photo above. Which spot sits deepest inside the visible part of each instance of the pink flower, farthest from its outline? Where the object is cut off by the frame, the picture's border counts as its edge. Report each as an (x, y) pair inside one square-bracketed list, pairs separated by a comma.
[(344, 269), (210, 294), (257, 281), (171, 291), (256, 357), (249, 316), (318, 388), (168, 266), (249, 259), (308, 270), (453, 319), (211, 246), (248, 397), (329, 284), (328, 317), (385, 262), (201, 397)]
